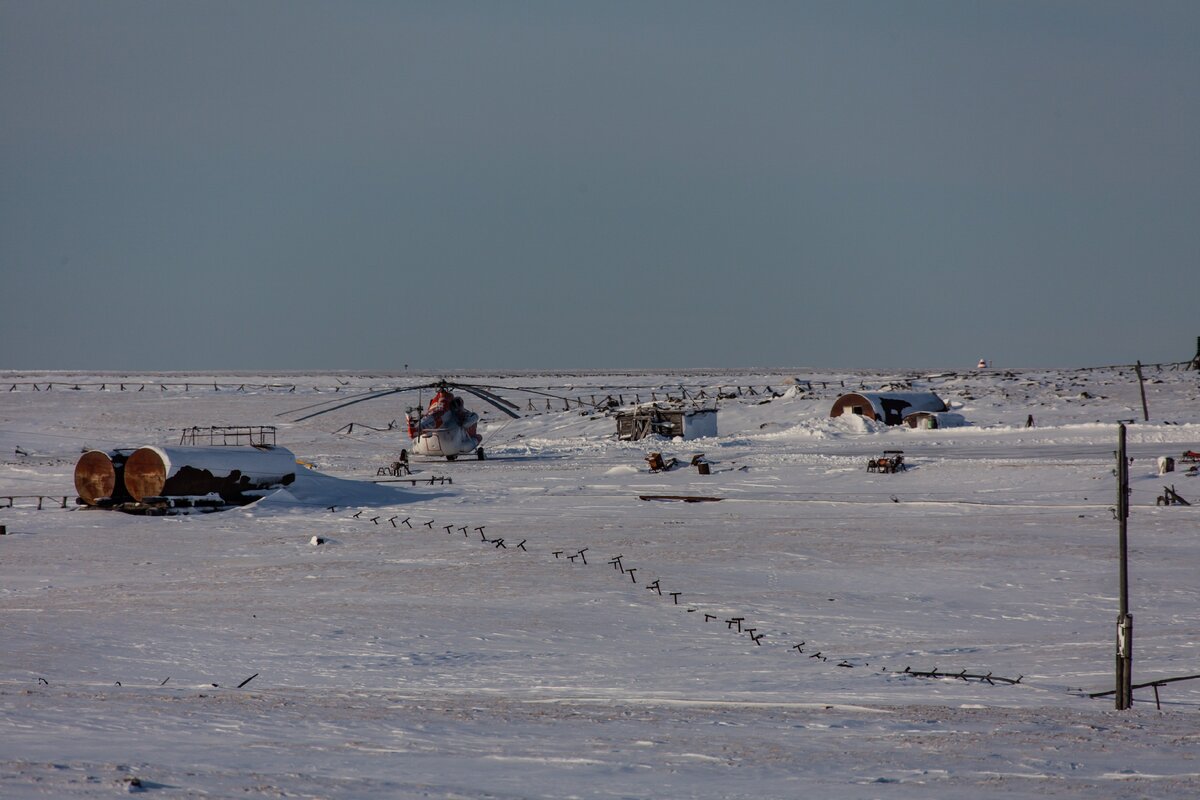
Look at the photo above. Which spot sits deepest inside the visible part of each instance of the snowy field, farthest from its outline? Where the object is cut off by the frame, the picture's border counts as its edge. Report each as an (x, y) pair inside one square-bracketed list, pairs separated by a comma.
[(423, 661)]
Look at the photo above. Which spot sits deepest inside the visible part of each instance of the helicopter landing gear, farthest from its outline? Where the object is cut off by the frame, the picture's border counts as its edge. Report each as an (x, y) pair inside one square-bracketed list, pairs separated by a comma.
[(479, 454)]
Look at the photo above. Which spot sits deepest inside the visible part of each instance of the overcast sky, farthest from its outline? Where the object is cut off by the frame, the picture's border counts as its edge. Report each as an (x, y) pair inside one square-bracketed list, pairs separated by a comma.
[(363, 185)]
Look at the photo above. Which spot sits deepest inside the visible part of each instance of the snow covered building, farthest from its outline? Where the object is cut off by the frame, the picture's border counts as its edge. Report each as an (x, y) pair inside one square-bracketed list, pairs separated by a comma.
[(887, 407), (657, 419)]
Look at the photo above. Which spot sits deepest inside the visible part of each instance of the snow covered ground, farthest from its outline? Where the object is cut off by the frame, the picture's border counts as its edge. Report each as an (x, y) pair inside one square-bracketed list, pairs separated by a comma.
[(422, 659)]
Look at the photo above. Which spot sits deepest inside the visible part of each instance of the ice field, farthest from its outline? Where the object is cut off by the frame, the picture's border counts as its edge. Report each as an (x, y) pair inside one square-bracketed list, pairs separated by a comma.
[(752, 646)]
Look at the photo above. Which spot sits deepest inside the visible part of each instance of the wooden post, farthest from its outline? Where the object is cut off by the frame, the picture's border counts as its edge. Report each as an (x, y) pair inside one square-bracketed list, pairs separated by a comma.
[(1142, 386), (1124, 663)]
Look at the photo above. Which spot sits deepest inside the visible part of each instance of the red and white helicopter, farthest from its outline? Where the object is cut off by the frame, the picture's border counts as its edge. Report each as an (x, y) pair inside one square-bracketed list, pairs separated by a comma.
[(445, 428)]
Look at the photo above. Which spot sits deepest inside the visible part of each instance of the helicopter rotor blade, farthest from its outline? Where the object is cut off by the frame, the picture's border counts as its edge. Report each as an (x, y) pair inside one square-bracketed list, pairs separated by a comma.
[(355, 397), (509, 403), (488, 397), (361, 399), (480, 390), (322, 403)]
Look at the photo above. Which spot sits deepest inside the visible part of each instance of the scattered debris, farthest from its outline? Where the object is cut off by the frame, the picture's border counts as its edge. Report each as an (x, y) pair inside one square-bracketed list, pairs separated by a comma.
[(890, 461), (657, 463), (397, 469), (1170, 497)]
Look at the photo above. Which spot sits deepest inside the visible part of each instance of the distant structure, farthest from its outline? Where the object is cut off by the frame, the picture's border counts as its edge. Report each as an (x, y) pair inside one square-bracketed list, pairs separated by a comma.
[(929, 420), (889, 408), (649, 419), (983, 364), (1196, 358)]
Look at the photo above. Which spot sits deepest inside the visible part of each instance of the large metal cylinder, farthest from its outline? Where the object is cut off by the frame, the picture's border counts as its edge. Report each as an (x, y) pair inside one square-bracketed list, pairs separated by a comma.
[(197, 471), (99, 476)]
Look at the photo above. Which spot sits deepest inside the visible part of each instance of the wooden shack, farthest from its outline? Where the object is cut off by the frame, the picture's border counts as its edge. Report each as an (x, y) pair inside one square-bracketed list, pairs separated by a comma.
[(658, 419), (889, 408)]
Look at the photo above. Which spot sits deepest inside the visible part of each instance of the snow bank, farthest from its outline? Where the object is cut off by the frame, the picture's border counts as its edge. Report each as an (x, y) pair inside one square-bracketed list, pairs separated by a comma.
[(313, 488)]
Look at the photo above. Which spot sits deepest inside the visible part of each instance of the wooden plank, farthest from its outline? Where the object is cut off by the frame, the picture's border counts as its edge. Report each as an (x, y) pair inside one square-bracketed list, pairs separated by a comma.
[(680, 498)]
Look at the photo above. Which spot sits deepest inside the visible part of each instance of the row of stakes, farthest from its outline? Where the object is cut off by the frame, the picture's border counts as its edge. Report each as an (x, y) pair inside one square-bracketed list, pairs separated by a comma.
[(618, 564)]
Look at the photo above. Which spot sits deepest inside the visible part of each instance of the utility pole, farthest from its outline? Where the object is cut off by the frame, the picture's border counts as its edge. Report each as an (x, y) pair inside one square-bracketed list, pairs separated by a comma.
[(1124, 688), (1142, 387)]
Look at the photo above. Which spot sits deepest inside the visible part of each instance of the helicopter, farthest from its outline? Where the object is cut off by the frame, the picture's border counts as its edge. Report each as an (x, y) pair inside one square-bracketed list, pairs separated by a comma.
[(445, 428)]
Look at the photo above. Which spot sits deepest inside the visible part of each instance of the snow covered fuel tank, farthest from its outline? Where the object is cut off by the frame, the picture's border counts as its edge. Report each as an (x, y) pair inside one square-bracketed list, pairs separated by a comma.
[(196, 471)]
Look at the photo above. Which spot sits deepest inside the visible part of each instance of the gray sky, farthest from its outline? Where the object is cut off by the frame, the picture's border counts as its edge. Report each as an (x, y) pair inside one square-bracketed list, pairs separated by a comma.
[(363, 185)]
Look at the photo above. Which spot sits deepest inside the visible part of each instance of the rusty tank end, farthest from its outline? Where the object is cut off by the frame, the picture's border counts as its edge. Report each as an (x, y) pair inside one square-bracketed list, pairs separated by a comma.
[(99, 477), (145, 474)]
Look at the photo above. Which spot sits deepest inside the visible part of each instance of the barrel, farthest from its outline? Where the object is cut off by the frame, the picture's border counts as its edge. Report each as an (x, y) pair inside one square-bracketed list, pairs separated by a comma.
[(198, 471)]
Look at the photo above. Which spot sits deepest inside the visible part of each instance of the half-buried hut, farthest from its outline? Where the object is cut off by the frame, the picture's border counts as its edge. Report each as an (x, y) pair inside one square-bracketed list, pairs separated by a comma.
[(889, 408)]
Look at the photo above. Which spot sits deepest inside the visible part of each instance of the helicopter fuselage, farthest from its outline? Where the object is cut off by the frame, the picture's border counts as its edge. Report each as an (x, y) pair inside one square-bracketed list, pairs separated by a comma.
[(445, 429), (448, 442)]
